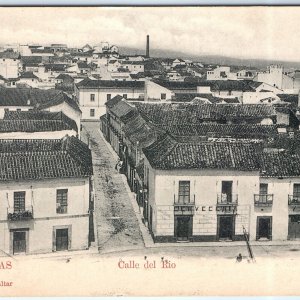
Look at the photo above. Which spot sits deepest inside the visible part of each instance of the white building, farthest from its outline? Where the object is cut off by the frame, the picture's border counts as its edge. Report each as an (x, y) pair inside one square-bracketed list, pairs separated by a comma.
[(10, 65), (93, 94), (46, 209), (218, 189)]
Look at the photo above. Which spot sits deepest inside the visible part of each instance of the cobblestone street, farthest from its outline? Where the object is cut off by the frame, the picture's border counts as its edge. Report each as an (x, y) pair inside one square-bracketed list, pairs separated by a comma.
[(116, 224)]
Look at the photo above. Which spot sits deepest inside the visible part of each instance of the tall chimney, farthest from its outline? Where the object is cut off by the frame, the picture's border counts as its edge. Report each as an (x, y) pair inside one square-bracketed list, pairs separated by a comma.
[(148, 47)]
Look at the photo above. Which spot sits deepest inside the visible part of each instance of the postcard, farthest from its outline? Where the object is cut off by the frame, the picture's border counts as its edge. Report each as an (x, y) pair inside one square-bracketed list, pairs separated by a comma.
[(149, 151)]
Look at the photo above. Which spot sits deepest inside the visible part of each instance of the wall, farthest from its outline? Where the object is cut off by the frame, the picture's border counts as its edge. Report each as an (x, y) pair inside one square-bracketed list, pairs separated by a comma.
[(154, 91), (205, 186), (68, 111), (101, 98), (9, 68), (42, 196)]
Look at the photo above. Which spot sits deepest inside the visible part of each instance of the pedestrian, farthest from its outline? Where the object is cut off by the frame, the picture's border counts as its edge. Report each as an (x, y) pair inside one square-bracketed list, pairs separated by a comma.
[(239, 258)]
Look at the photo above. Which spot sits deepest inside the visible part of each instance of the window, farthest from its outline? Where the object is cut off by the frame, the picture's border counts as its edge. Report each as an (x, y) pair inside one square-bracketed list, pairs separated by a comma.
[(125, 96), (62, 201), (296, 191), (263, 189), (108, 97), (18, 109), (184, 192), (92, 112), (92, 97), (19, 202), (163, 96)]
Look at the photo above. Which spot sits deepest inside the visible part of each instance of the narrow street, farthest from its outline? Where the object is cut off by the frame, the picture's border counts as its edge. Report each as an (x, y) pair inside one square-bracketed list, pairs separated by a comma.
[(116, 224)]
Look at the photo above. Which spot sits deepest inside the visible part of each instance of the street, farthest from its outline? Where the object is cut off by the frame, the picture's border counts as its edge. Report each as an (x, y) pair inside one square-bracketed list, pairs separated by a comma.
[(116, 224)]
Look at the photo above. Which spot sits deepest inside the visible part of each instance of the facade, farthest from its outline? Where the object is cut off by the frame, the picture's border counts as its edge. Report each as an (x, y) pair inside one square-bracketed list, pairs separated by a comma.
[(204, 196), (45, 209), (93, 94), (10, 65)]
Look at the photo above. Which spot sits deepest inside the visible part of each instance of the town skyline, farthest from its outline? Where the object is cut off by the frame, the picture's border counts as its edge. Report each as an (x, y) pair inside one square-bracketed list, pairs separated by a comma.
[(239, 32)]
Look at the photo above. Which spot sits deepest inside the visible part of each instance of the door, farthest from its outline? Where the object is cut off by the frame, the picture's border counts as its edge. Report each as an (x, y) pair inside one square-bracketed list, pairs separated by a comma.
[(294, 227), (225, 227), (264, 228), (19, 242), (62, 239), (183, 227), (227, 190)]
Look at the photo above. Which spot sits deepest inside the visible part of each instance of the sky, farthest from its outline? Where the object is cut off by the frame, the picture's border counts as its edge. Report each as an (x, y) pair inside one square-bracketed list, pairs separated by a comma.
[(240, 32)]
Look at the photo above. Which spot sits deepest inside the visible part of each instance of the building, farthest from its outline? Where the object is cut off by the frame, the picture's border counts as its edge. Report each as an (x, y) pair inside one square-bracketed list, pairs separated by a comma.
[(211, 191), (93, 94), (10, 65), (275, 76), (36, 125), (46, 185), (25, 99)]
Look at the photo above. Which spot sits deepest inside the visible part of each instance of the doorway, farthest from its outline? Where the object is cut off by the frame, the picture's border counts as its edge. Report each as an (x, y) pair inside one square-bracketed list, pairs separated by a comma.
[(225, 227), (19, 242), (62, 239), (294, 227), (183, 227), (264, 228)]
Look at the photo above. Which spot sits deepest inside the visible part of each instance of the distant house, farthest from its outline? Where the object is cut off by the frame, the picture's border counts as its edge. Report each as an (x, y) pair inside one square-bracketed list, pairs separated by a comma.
[(30, 79), (47, 191), (221, 73), (276, 77), (10, 65), (93, 94)]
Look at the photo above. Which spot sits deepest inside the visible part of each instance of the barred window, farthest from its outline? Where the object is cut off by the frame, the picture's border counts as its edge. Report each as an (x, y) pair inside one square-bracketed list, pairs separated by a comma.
[(19, 202), (62, 201)]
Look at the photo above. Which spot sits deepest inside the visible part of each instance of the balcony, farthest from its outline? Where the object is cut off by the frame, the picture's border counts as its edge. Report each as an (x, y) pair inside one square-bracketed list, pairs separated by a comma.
[(294, 200), (20, 215), (189, 201), (263, 200), (227, 199), (186, 206)]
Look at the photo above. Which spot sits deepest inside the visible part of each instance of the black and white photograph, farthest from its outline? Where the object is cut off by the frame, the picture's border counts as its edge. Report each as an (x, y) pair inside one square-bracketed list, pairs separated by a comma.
[(150, 151)]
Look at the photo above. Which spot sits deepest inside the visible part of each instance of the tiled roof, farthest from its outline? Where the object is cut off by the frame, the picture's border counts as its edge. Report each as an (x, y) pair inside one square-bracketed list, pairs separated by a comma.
[(112, 84), (29, 61), (65, 77), (28, 75), (293, 99), (36, 121), (224, 130), (44, 159), (193, 113), (9, 55), (83, 65), (122, 108), (34, 97), (280, 164), (167, 153), (137, 130), (56, 67), (113, 101)]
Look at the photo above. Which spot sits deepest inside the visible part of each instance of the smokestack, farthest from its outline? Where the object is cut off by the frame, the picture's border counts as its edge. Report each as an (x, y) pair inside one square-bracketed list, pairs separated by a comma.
[(148, 47)]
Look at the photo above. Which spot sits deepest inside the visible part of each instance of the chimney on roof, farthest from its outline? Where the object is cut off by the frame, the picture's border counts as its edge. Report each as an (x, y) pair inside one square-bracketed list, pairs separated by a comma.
[(148, 47)]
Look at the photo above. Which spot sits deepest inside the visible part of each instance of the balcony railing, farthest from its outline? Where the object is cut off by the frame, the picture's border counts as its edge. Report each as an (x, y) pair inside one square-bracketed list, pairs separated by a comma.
[(294, 200), (227, 199), (20, 215), (263, 199), (184, 202)]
